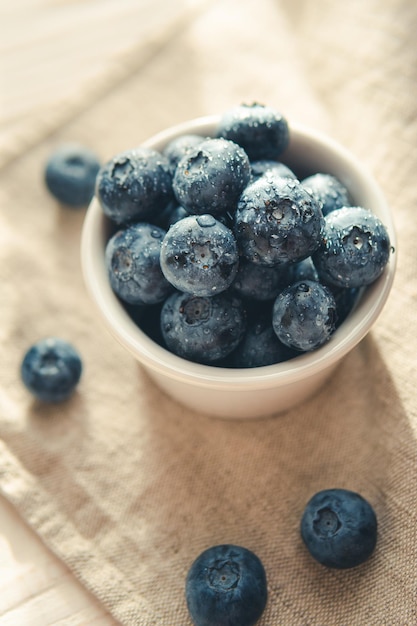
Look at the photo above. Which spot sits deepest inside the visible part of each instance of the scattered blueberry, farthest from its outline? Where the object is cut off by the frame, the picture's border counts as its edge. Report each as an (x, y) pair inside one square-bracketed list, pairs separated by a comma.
[(304, 315), (202, 329), (135, 185), (354, 249), (261, 130), (339, 528), (210, 178), (51, 369), (277, 221), (179, 147), (328, 190), (226, 586), (269, 166), (70, 174), (133, 264)]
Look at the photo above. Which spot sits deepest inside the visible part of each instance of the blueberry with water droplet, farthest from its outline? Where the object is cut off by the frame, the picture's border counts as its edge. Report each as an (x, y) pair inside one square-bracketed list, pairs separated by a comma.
[(179, 147), (270, 167), (199, 255), (135, 185), (328, 190), (202, 329), (339, 528), (133, 263), (304, 315), (354, 249), (259, 282), (226, 586), (210, 178), (277, 221), (260, 345), (261, 130)]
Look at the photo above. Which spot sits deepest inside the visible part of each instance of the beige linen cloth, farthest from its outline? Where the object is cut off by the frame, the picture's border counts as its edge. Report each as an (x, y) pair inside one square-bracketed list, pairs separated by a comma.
[(122, 483)]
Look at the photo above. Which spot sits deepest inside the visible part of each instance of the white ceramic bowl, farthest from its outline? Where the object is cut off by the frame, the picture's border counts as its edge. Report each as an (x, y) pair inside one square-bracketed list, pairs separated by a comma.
[(254, 392)]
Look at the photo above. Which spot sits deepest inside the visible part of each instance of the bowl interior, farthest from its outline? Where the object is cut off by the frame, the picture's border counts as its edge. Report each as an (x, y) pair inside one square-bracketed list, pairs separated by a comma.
[(308, 152)]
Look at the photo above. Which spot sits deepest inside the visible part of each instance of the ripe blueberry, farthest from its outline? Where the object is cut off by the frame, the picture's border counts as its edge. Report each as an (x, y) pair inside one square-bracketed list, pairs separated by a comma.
[(210, 178), (328, 190), (261, 130), (51, 368), (135, 185), (304, 315), (202, 329), (133, 263), (277, 221), (70, 174), (199, 255), (354, 249), (339, 528), (226, 586)]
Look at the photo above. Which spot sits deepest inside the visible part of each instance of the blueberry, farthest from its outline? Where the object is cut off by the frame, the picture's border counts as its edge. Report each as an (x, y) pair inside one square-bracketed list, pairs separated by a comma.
[(354, 250), (259, 282), (133, 263), (51, 369), (260, 345), (226, 586), (202, 329), (304, 315), (135, 185), (277, 221), (269, 166), (210, 178), (261, 130), (303, 270), (339, 528), (180, 146), (328, 190), (199, 255), (70, 174)]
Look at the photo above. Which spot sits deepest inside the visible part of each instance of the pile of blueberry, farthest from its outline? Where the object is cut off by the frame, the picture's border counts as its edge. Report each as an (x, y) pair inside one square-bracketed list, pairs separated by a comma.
[(242, 262)]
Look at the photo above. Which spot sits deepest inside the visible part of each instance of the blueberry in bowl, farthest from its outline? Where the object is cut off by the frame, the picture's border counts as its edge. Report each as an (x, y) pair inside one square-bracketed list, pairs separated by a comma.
[(278, 228)]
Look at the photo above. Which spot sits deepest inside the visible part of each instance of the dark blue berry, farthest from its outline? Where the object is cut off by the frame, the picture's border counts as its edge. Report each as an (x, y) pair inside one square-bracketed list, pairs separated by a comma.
[(261, 130), (70, 174), (199, 255), (268, 166), (260, 345), (304, 315), (259, 282), (328, 190), (303, 270), (135, 185), (354, 250), (277, 221), (202, 329), (133, 264), (226, 586), (339, 528), (179, 147), (51, 369), (210, 178)]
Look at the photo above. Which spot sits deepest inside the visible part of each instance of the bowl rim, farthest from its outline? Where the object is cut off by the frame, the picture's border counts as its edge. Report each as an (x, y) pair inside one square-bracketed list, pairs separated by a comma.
[(159, 359)]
